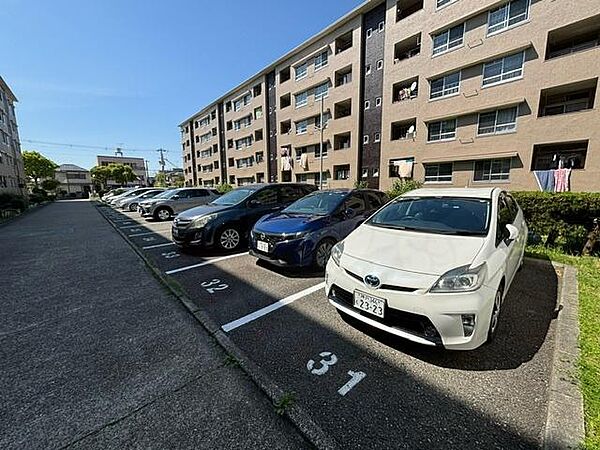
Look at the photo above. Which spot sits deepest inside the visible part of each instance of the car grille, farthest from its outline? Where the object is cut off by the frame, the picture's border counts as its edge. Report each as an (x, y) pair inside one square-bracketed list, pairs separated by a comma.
[(414, 324), (270, 238), (389, 287), (181, 223)]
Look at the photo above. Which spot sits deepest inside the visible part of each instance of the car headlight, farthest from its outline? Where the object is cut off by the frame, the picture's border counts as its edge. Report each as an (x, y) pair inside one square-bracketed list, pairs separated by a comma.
[(337, 251), (461, 279), (298, 235), (202, 221)]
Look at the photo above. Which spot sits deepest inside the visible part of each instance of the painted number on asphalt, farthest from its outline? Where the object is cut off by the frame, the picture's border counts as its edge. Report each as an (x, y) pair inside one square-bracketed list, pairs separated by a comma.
[(149, 239), (214, 285), (170, 255), (135, 230), (328, 360)]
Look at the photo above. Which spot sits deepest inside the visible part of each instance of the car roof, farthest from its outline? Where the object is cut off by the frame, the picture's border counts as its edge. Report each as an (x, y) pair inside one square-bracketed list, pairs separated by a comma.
[(487, 192)]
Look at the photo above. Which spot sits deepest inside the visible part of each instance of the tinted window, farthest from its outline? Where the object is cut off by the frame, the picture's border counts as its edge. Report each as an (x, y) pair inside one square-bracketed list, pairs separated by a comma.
[(504, 218), (199, 193), (234, 197), (446, 215), (267, 196), (512, 206), (320, 203), (288, 194), (374, 200), (357, 203)]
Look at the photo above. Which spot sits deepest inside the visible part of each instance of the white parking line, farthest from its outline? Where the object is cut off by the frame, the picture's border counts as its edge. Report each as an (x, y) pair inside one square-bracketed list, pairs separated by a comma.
[(132, 226), (141, 234), (158, 246), (205, 263), (269, 309)]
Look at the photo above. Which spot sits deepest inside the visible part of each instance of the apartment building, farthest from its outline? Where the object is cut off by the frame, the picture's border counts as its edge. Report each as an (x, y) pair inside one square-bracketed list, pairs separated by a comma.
[(448, 92), (138, 165), (12, 173)]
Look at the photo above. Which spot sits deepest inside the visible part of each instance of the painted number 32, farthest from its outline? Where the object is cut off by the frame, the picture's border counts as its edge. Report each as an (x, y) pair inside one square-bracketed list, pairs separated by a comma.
[(214, 286)]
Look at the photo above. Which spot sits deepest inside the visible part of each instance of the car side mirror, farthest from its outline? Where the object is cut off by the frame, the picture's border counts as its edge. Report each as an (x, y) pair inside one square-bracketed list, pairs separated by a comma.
[(512, 232), (254, 203)]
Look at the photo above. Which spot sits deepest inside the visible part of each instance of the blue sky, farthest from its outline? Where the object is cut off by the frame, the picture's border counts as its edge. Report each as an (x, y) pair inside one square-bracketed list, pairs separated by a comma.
[(112, 72)]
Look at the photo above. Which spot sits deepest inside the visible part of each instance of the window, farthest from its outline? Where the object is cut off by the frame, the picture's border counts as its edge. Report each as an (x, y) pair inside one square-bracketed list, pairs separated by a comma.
[(442, 130), (381, 26), (301, 127), (322, 91), (449, 39), (369, 32), (366, 139), (365, 172), (438, 173), (321, 60), (445, 86), (367, 104), (503, 69), (257, 90), (553, 103), (267, 196), (377, 137), (440, 3), (342, 172), (243, 101), (375, 173), (343, 76), (258, 112), (243, 143), (341, 141), (368, 69), (496, 122), (378, 102), (318, 150), (492, 170), (343, 42), (403, 130), (284, 75), (508, 15), (301, 71), (289, 194), (571, 155), (244, 122), (301, 99), (505, 217), (380, 64), (245, 162)]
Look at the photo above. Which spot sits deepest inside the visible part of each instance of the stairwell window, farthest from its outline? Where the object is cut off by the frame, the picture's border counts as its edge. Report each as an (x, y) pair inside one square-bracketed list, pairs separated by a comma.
[(321, 60), (445, 86), (444, 130), (507, 15), (448, 39), (301, 99), (301, 71), (321, 91), (497, 122), (302, 127), (504, 69)]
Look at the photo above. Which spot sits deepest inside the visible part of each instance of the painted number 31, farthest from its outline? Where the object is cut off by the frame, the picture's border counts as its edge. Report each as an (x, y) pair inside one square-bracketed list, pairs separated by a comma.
[(329, 359), (214, 286)]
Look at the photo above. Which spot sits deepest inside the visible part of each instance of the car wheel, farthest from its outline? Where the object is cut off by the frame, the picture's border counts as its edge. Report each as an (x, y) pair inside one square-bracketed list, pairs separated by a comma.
[(229, 238), (133, 207), (322, 253), (162, 214), (495, 317)]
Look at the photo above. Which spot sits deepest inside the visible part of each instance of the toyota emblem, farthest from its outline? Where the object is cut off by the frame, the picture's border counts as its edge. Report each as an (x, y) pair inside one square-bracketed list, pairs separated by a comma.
[(372, 281)]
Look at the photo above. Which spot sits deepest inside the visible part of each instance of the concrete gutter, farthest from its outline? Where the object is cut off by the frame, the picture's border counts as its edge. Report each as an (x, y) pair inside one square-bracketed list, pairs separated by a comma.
[(294, 413)]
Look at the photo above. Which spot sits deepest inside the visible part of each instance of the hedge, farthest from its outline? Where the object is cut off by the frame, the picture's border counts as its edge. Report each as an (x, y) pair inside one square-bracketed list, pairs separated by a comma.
[(12, 201), (561, 219)]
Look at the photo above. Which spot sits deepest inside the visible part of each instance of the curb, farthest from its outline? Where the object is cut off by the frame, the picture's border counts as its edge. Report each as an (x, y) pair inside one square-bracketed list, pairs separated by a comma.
[(565, 427), (294, 413)]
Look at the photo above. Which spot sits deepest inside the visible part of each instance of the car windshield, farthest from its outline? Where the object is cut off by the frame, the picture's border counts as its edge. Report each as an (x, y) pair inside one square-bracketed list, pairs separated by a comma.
[(442, 215), (233, 197), (150, 194), (165, 194), (320, 203)]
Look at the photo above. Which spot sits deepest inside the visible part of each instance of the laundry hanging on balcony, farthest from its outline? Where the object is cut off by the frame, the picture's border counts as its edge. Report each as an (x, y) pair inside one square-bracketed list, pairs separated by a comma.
[(304, 161), (286, 163)]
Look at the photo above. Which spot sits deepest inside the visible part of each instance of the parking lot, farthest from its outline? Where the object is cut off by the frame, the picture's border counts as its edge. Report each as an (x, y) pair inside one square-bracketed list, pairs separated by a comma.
[(364, 388)]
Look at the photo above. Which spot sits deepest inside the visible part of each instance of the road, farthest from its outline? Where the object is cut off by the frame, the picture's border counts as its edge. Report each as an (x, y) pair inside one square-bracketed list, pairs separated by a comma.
[(95, 353), (363, 388)]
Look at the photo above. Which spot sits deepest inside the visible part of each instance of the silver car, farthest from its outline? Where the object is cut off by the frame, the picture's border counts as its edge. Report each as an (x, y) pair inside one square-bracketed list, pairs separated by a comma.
[(132, 203), (168, 204), (128, 194)]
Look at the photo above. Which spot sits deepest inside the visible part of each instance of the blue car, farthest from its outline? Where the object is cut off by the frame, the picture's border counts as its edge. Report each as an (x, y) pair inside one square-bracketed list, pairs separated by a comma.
[(304, 233)]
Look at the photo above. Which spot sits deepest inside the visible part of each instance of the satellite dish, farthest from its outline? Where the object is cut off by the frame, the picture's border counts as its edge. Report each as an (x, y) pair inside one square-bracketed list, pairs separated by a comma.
[(411, 129), (413, 86)]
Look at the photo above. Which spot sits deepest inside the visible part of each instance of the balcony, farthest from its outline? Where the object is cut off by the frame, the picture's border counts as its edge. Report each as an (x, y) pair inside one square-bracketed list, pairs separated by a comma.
[(405, 8), (573, 38), (343, 76), (568, 98), (570, 155), (408, 48), (403, 130), (341, 141), (342, 109), (343, 43), (405, 90)]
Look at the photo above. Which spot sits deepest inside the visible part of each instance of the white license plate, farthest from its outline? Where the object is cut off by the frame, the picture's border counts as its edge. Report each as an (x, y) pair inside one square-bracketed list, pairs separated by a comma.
[(370, 304), (262, 246)]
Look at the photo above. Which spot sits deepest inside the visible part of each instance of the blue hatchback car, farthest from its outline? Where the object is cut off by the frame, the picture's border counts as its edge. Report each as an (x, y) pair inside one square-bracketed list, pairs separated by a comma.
[(304, 233)]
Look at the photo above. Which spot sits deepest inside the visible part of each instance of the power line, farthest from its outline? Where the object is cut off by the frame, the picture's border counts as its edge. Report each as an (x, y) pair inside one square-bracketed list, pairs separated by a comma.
[(91, 147)]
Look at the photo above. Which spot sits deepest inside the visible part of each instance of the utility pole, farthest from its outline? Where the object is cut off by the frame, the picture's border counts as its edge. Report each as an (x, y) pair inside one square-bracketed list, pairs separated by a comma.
[(321, 126), (161, 161)]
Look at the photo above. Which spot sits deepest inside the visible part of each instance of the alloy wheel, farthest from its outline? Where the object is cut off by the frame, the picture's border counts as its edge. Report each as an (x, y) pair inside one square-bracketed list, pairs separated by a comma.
[(229, 239), (496, 312), (163, 214), (323, 253), (133, 207)]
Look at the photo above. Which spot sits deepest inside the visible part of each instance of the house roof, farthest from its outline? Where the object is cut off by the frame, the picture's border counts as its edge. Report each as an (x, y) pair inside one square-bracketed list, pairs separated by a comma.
[(70, 168)]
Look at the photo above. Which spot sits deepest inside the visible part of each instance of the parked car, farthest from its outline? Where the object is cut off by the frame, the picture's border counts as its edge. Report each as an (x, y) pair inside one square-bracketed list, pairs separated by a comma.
[(304, 233), (132, 203), (226, 222), (113, 193), (167, 205), (432, 266), (128, 194)]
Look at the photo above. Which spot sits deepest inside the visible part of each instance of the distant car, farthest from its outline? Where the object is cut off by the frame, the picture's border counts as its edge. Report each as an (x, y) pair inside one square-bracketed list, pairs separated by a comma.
[(128, 194), (433, 266), (304, 233), (226, 222), (113, 193), (132, 203), (167, 205)]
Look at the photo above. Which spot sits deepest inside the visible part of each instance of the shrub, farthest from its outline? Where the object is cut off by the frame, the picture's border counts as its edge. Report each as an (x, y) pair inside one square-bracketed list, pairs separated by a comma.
[(360, 184), (563, 219), (12, 201), (224, 188), (401, 187)]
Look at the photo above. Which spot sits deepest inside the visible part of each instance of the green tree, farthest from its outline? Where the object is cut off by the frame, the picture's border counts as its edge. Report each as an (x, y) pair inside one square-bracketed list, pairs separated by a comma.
[(178, 181), (160, 180), (403, 186), (50, 184), (224, 188), (37, 166), (122, 174), (100, 176)]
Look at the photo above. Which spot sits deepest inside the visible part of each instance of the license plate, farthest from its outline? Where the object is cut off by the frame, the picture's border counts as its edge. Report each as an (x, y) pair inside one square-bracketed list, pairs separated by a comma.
[(262, 246), (372, 305)]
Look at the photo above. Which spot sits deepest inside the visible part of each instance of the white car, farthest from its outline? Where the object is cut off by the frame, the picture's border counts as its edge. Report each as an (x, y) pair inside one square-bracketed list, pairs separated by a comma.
[(432, 266)]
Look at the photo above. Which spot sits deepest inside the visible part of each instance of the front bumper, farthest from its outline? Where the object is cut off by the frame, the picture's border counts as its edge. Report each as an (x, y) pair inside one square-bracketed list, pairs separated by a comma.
[(191, 237), (283, 253), (146, 210), (421, 317)]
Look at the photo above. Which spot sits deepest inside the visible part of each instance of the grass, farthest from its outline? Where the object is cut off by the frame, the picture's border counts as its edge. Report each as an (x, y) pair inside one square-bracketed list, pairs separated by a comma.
[(589, 338), (286, 400)]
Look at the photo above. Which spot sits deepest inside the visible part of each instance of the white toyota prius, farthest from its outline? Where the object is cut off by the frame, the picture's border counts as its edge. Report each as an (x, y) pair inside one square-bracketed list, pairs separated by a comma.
[(432, 266)]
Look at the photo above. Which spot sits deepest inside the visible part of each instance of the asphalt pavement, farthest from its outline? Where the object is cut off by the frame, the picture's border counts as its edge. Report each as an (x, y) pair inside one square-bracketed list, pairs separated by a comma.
[(96, 353), (366, 389)]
